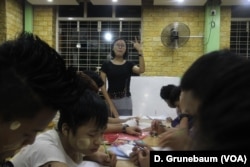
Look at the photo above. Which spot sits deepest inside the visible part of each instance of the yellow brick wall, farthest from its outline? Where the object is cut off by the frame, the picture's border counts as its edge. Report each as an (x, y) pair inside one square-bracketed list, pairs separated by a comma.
[(160, 60), (2, 21), (163, 61), (14, 18), (225, 26), (44, 23)]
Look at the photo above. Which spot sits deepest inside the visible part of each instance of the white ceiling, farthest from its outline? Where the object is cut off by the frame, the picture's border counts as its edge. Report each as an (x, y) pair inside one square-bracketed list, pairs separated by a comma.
[(119, 2), (139, 2), (178, 3)]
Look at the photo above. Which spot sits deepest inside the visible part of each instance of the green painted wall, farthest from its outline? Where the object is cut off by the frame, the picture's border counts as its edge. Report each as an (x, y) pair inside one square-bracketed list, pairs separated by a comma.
[(212, 26), (28, 17)]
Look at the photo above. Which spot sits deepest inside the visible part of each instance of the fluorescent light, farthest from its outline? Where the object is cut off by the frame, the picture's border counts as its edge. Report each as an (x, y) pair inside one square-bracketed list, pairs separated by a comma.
[(114, 0), (50, 0)]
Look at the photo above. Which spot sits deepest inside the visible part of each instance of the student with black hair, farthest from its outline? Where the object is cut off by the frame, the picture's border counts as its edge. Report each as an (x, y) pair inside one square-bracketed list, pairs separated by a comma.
[(118, 72), (114, 124), (171, 95), (219, 102), (219, 99), (34, 84), (76, 139)]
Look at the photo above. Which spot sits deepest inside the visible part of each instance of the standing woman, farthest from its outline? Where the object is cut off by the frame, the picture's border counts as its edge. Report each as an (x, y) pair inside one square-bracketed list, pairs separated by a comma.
[(118, 72)]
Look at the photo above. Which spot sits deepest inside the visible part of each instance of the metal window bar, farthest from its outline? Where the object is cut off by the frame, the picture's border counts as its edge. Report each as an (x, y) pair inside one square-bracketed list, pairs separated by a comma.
[(82, 43), (240, 36)]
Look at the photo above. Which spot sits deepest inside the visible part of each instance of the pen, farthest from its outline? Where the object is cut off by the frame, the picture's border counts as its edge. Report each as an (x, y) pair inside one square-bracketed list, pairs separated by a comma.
[(149, 117), (105, 149)]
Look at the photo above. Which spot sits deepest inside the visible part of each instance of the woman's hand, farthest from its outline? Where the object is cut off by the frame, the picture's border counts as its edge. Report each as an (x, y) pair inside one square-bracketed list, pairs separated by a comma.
[(140, 155), (157, 127), (106, 159), (175, 138), (133, 130), (114, 111), (137, 46), (144, 157)]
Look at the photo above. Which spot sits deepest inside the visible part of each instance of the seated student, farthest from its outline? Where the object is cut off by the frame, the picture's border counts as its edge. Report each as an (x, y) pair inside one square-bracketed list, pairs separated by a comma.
[(78, 137), (114, 124), (220, 101), (34, 84), (212, 99), (171, 95)]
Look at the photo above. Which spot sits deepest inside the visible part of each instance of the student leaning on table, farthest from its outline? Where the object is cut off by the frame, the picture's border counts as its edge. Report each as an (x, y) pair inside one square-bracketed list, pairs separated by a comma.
[(76, 139), (219, 101), (115, 125), (34, 84)]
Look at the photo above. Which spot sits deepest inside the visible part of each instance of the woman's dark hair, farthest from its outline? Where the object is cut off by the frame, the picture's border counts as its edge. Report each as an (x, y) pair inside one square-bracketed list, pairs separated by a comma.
[(90, 107), (112, 47), (171, 93), (40, 70), (207, 71), (220, 80), (17, 98)]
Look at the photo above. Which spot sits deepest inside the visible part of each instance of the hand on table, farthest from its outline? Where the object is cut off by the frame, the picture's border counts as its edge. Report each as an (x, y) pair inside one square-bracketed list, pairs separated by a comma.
[(140, 155), (175, 138), (106, 159), (134, 130), (157, 127)]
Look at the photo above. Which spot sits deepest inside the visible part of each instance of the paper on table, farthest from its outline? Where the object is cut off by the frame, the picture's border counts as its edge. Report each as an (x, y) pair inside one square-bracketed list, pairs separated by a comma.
[(126, 148), (142, 125), (159, 117)]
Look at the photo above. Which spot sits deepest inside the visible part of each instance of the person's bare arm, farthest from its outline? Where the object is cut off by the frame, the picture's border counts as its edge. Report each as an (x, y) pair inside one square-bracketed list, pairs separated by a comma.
[(106, 95), (118, 128)]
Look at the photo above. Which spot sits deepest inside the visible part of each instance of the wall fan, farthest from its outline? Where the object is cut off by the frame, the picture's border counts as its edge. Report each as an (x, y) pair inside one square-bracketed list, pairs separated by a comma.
[(175, 35)]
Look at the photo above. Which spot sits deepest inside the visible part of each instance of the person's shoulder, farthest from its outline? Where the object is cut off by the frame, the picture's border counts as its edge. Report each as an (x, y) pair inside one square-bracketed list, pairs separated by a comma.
[(48, 136), (106, 62)]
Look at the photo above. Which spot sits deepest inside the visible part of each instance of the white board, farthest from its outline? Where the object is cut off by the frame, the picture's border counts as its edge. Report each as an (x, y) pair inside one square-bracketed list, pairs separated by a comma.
[(145, 91)]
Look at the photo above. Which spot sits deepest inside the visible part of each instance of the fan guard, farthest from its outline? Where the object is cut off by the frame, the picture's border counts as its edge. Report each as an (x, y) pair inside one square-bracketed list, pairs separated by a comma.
[(175, 35)]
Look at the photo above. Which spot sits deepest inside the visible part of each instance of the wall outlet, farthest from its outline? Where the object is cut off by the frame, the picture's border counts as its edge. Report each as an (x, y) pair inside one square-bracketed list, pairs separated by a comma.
[(213, 12)]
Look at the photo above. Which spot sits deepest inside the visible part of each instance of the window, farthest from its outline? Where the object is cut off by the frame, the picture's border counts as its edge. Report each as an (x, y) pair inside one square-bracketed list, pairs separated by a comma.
[(82, 42), (240, 38), (84, 46), (240, 35)]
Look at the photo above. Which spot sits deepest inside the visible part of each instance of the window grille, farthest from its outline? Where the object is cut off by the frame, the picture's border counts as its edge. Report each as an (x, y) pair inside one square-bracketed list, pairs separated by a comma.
[(240, 37), (81, 39)]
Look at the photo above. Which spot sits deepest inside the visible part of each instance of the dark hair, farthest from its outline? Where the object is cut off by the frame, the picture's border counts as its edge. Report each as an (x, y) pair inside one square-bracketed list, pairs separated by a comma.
[(207, 71), (93, 75), (171, 93), (90, 107), (40, 70), (112, 46), (220, 80), (17, 98)]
